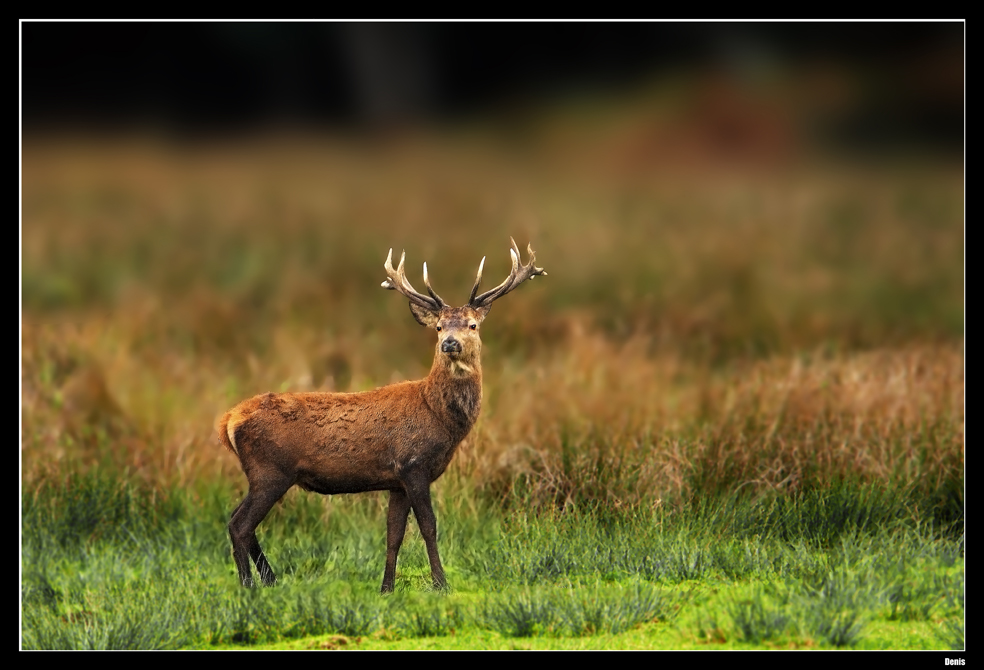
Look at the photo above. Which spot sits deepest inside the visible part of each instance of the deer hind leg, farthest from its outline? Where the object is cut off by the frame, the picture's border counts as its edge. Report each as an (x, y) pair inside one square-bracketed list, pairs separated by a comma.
[(396, 528), (242, 530), (419, 494)]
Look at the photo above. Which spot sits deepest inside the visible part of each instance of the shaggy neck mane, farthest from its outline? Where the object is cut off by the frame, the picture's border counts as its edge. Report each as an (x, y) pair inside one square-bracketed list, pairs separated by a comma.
[(454, 391)]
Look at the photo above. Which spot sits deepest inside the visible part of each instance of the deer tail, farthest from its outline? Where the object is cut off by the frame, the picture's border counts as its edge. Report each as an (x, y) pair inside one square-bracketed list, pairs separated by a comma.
[(226, 430)]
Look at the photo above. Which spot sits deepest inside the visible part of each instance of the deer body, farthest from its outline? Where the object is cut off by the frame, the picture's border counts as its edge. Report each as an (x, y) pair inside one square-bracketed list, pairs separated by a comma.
[(397, 438)]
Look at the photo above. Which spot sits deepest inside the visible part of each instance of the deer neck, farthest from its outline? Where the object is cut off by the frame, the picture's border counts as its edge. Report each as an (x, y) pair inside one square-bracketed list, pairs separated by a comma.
[(454, 392)]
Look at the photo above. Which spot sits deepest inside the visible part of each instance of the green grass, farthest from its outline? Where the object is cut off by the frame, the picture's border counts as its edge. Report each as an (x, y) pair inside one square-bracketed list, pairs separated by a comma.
[(112, 565)]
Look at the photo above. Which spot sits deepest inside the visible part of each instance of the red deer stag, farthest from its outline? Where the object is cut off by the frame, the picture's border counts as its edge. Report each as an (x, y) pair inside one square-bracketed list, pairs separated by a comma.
[(398, 438)]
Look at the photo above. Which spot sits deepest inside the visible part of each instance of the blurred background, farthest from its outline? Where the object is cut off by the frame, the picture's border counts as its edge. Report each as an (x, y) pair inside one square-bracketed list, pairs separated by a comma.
[(857, 86), (757, 220)]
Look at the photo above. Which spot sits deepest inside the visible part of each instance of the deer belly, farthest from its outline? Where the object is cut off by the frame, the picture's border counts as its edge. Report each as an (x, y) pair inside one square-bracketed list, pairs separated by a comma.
[(345, 480), (331, 473), (335, 486)]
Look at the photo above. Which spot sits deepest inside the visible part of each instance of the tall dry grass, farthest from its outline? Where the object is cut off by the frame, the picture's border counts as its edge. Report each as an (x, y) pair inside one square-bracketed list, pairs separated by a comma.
[(604, 421), (696, 332)]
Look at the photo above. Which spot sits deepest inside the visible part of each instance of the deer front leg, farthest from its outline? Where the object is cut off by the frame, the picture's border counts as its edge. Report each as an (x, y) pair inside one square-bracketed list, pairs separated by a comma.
[(419, 494), (396, 528)]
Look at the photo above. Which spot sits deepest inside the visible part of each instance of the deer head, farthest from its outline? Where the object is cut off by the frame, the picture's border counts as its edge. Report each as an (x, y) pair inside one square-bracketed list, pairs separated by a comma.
[(458, 327)]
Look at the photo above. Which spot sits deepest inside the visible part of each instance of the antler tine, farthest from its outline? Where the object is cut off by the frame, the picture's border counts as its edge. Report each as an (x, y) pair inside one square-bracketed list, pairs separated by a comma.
[(517, 276), (396, 280), (478, 282), (431, 290)]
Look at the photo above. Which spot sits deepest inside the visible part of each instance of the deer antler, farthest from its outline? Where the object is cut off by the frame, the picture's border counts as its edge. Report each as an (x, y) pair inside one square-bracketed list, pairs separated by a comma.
[(397, 280), (517, 276)]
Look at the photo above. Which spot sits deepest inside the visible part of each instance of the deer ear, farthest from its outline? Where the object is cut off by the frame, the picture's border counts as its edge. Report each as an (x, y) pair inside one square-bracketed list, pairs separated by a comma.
[(482, 312), (424, 316)]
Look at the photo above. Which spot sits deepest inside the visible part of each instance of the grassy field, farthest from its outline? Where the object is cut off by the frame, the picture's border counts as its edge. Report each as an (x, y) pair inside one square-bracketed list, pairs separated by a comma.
[(731, 417)]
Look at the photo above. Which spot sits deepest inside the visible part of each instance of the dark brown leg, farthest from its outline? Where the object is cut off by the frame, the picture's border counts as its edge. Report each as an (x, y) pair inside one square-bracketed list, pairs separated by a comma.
[(242, 530), (396, 528), (420, 500)]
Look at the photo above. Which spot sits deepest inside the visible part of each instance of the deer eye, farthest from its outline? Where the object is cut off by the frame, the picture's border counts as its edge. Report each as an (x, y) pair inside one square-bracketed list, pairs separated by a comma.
[(438, 329), (473, 326)]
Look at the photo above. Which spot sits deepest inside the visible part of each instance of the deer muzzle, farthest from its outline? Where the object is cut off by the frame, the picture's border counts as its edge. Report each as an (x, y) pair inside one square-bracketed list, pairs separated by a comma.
[(451, 346)]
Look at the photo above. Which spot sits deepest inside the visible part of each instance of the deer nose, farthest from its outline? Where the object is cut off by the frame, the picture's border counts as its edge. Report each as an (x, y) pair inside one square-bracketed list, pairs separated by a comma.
[(450, 346)]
